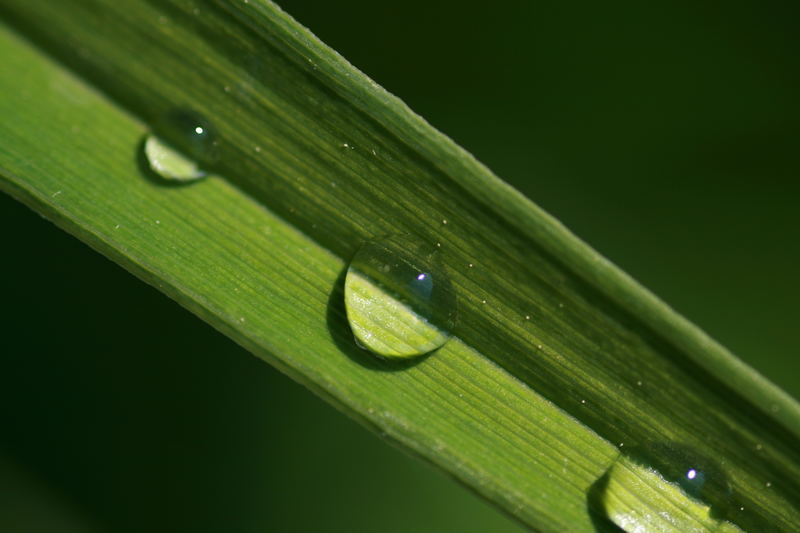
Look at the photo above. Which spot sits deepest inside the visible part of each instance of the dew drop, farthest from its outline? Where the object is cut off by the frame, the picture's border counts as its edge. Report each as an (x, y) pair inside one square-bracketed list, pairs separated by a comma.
[(399, 302), (169, 163), (180, 143), (676, 490)]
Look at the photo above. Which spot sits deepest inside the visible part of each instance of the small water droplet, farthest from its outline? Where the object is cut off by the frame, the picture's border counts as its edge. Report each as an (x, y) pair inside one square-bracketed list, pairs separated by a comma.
[(527, 317), (444, 222), (400, 303), (676, 490), (180, 143)]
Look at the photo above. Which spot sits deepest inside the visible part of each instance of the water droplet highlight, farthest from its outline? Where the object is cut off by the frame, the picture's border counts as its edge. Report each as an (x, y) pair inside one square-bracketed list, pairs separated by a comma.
[(665, 488), (399, 302), (179, 145), (169, 163)]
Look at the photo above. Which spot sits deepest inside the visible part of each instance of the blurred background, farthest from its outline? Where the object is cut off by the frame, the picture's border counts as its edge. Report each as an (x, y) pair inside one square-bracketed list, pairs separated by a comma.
[(663, 133)]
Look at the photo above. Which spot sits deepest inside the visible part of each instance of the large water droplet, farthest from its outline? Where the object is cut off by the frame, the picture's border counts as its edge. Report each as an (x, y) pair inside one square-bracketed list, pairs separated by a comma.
[(664, 488), (399, 302), (180, 144)]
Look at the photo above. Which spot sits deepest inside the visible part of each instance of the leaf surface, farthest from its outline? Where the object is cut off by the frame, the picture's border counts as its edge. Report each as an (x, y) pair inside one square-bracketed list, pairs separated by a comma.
[(559, 360)]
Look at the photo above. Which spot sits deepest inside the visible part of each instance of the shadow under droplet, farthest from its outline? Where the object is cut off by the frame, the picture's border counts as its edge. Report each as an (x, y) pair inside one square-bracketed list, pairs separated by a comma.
[(342, 335), (595, 506)]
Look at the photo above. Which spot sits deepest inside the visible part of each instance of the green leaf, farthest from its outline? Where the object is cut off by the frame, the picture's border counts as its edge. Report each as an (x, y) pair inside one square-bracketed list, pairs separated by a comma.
[(559, 362)]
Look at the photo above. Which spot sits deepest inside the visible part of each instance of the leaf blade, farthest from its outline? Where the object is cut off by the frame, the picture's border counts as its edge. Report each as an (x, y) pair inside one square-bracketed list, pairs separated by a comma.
[(534, 266)]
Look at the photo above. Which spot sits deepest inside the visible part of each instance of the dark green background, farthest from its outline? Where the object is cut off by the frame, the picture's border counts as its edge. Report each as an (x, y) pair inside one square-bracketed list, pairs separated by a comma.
[(663, 133)]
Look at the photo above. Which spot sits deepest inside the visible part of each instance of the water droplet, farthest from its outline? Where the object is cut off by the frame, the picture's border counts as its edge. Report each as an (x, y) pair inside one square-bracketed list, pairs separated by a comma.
[(169, 163), (399, 302), (180, 143), (675, 490)]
